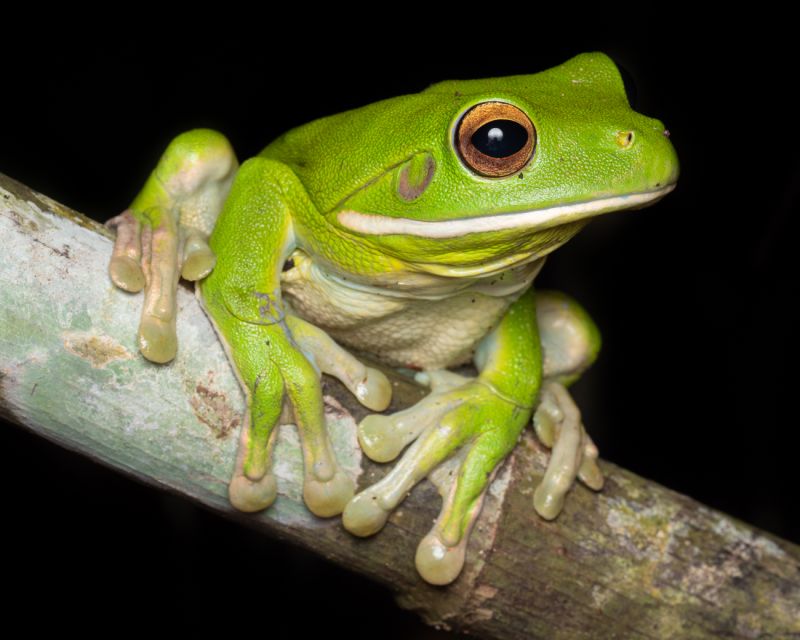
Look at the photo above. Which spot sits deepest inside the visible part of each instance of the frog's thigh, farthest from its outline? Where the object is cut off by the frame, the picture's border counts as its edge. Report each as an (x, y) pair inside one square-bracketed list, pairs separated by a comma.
[(368, 385), (570, 339)]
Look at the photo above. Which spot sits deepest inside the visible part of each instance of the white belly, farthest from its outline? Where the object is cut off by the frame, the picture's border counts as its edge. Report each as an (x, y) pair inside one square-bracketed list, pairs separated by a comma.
[(410, 327)]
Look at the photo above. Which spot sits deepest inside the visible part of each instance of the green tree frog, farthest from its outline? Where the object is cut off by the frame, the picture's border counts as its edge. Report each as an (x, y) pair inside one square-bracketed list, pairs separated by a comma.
[(410, 230)]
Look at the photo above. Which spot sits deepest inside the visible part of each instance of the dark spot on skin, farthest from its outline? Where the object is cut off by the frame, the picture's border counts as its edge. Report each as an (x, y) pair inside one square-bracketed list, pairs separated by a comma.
[(473, 300), (270, 309), (289, 264), (658, 184), (457, 94), (521, 175)]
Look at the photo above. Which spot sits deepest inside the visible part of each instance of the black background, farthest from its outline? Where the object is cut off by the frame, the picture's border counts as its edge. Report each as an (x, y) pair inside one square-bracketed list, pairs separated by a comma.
[(696, 383)]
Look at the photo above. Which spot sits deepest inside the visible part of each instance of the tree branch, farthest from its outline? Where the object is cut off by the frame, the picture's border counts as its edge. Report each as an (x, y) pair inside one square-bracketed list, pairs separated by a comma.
[(635, 561)]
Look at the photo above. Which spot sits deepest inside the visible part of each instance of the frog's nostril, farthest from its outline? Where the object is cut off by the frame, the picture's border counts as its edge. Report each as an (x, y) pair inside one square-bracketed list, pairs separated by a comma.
[(624, 138)]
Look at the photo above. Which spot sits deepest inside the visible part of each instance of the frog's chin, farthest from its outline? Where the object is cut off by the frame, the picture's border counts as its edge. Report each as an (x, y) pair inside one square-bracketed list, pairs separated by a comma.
[(537, 219)]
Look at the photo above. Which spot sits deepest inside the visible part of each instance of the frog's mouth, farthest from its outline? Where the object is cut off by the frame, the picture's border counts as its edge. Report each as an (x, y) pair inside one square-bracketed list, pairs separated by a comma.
[(538, 219)]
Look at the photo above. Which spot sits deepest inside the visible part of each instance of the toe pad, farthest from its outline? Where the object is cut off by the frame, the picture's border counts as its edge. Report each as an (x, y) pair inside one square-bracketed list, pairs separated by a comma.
[(364, 515), (249, 495), (327, 499), (438, 563)]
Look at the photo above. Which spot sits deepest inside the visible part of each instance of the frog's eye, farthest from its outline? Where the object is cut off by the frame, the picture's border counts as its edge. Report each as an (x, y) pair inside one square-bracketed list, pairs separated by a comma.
[(495, 139)]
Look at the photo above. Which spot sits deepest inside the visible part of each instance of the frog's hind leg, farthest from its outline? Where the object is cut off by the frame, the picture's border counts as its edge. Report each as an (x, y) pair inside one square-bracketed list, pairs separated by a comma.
[(162, 236), (570, 344)]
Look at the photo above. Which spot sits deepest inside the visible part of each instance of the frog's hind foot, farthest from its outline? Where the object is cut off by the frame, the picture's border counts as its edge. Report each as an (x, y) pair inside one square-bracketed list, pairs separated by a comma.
[(125, 267), (162, 236), (558, 425)]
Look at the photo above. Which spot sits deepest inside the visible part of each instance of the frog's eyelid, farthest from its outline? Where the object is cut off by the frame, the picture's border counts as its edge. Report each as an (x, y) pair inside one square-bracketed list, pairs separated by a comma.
[(540, 218)]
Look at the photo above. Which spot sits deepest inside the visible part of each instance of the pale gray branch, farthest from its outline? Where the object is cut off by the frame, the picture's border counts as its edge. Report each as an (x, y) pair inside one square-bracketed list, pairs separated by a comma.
[(635, 561)]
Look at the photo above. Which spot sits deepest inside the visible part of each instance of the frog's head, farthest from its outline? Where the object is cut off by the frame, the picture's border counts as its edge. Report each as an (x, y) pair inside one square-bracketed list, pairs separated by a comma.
[(474, 176)]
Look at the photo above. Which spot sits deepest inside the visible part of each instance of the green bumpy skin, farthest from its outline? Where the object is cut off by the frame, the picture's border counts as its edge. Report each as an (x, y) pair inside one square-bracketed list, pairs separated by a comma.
[(411, 230)]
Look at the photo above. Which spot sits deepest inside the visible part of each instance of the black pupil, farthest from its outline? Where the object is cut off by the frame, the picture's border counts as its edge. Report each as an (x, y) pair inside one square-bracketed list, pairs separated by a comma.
[(500, 138)]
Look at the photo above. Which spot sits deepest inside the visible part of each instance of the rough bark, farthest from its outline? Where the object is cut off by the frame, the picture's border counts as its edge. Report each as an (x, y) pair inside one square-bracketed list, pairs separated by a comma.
[(635, 561)]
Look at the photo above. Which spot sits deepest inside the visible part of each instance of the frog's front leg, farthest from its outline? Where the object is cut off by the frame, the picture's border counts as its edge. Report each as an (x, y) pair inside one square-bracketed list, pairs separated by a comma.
[(485, 416), (278, 357), (163, 234)]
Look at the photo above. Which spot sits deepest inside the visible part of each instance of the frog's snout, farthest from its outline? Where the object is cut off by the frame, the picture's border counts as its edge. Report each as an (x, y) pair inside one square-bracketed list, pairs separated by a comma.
[(649, 142), (665, 159)]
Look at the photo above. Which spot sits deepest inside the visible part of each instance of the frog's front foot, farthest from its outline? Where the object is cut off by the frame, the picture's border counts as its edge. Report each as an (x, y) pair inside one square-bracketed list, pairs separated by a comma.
[(460, 414), (482, 418), (284, 367), (162, 237)]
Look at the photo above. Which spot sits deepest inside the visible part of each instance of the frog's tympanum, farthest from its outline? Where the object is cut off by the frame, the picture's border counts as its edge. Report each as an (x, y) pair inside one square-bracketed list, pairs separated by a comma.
[(410, 230)]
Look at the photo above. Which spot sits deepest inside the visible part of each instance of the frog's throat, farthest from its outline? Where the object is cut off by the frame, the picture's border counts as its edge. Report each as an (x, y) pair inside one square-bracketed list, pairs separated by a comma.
[(537, 219)]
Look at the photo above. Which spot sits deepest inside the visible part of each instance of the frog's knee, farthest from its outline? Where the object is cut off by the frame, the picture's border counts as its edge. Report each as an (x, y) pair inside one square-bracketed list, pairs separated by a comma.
[(196, 172), (204, 150), (570, 339)]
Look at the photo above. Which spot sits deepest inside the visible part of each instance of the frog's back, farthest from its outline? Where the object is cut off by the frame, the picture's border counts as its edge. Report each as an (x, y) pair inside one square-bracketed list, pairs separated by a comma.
[(336, 155)]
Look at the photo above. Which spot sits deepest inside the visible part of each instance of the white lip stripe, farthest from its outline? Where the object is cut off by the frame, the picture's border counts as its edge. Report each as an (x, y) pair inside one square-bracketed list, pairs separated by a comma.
[(383, 225)]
